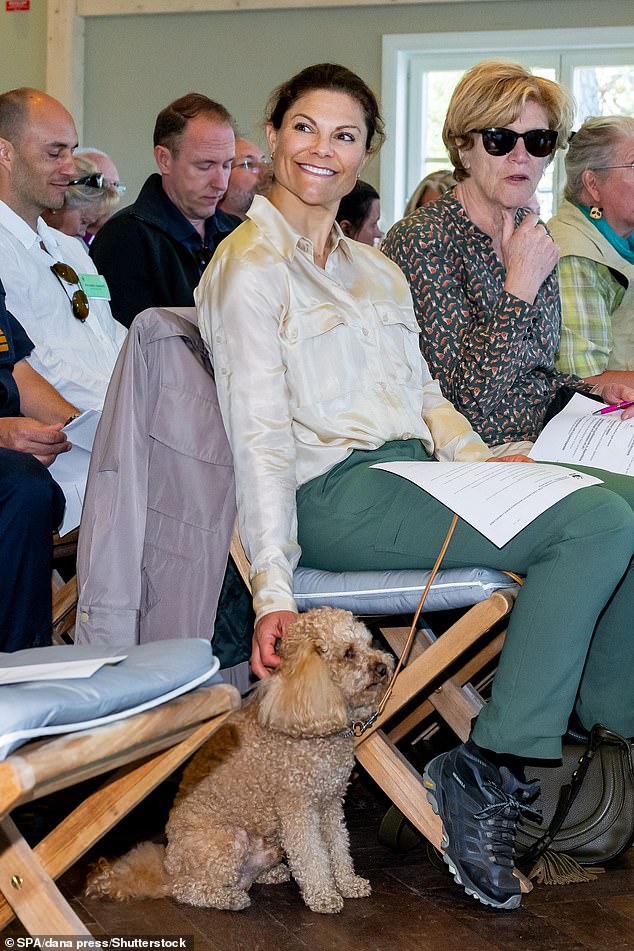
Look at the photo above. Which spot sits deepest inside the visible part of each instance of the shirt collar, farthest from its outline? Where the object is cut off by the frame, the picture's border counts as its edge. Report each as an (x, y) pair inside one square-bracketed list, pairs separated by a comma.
[(18, 227), (183, 230), (48, 236), (282, 236), (25, 234)]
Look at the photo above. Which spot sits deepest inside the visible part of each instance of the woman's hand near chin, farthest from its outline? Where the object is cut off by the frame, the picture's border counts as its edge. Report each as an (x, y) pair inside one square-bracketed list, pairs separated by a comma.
[(529, 254)]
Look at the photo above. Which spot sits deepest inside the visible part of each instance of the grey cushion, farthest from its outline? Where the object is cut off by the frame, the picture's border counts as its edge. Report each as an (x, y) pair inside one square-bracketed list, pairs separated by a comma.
[(150, 675), (395, 592)]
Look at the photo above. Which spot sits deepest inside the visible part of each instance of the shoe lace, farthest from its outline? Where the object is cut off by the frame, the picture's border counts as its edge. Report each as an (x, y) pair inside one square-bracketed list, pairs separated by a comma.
[(502, 815)]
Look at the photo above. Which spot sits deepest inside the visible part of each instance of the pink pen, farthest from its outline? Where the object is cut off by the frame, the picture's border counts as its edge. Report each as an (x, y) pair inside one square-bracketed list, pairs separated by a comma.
[(613, 408)]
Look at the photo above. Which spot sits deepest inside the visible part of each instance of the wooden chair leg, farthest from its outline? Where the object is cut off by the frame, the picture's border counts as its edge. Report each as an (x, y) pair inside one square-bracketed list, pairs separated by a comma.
[(30, 891), (401, 781), (95, 816)]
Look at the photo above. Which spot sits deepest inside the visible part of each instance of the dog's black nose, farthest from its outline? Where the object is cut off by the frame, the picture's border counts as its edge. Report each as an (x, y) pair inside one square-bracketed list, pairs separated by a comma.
[(381, 670)]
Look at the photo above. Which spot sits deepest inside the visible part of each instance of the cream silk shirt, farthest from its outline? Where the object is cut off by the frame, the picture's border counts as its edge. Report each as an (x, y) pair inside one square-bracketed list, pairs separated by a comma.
[(311, 364), (76, 358)]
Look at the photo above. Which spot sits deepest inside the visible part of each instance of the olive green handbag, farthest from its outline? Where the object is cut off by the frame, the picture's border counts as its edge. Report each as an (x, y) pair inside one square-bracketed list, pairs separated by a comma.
[(587, 806)]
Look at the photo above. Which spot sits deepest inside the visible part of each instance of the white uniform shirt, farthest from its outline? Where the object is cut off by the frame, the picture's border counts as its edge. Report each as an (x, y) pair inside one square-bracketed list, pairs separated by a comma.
[(311, 364), (76, 358)]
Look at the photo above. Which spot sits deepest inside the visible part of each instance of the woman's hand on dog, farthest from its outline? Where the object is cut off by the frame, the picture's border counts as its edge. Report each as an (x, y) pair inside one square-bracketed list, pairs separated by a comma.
[(269, 628)]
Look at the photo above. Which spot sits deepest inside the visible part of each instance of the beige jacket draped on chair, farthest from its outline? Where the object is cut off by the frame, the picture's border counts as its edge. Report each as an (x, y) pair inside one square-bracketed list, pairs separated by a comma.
[(160, 500)]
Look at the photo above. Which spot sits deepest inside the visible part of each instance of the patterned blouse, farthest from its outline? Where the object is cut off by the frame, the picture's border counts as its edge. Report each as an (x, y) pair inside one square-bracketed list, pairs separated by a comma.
[(492, 353)]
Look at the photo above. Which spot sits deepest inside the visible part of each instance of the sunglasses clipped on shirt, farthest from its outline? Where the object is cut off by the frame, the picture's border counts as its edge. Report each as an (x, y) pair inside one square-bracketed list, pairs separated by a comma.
[(98, 180), (65, 274), (500, 141)]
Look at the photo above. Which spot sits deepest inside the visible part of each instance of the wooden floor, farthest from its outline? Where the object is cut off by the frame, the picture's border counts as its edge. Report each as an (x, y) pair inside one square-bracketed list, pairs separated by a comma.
[(414, 906)]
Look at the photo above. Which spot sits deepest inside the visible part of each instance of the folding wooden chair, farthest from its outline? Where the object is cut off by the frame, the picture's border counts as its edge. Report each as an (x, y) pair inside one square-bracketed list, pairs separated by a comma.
[(64, 610), (435, 678), (64, 593), (143, 748)]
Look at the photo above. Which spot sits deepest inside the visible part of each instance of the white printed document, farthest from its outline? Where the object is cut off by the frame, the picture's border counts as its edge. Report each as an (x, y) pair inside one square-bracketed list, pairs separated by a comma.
[(63, 670), (498, 499), (575, 435), (70, 469)]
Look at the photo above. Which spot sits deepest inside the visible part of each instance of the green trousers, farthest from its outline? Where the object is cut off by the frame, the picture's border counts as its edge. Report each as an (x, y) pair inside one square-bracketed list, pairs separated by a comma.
[(571, 633)]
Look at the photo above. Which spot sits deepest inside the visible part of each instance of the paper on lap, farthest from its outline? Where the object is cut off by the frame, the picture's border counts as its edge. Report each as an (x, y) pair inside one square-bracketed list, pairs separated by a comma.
[(498, 499), (70, 469)]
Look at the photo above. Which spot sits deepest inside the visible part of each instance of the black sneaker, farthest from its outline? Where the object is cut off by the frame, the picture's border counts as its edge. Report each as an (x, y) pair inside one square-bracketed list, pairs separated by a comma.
[(479, 805)]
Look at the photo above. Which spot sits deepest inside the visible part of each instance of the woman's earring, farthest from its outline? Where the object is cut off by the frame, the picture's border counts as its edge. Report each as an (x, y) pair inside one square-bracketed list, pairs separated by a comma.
[(596, 213), (272, 155)]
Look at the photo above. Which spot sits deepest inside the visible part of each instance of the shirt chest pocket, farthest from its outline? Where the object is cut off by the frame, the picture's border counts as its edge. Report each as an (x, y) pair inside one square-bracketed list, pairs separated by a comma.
[(399, 334), (320, 352)]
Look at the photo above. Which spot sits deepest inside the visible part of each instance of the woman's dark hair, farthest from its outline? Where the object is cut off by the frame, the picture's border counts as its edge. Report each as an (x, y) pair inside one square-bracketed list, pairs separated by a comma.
[(355, 206), (338, 79)]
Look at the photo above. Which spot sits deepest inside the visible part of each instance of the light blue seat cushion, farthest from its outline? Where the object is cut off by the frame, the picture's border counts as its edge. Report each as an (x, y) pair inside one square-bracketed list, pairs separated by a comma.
[(395, 592), (151, 674)]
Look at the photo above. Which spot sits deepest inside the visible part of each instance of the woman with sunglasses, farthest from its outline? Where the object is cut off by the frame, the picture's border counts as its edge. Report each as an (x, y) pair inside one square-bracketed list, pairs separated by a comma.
[(90, 200), (594, 228), (481, 266), (332, 382)]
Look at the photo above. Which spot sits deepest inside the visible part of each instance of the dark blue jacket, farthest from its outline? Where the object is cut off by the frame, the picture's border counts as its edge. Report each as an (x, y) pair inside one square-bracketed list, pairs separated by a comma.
[(151, 255), (15, 345)]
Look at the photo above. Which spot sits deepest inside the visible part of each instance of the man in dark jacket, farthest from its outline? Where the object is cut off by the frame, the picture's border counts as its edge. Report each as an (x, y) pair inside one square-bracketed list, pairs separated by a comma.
[(31, 502), (153, 252)]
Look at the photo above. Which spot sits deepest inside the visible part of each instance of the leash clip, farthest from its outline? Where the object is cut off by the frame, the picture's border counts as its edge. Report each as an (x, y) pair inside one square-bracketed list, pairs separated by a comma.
[(359, 728)]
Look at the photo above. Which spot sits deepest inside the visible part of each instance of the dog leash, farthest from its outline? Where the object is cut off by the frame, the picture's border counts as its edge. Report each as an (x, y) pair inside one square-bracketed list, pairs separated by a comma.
[(359, 727)]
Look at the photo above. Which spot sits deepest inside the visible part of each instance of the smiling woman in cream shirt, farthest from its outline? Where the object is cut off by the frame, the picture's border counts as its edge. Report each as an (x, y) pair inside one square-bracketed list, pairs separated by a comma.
[(319, 377)]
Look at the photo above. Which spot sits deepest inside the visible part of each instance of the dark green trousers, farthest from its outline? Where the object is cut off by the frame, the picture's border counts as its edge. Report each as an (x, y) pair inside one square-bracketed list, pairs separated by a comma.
[(571, 632)]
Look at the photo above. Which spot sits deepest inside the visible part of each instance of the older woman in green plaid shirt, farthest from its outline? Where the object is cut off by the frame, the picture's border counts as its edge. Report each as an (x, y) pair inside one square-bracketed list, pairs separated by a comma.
[(594, 230)]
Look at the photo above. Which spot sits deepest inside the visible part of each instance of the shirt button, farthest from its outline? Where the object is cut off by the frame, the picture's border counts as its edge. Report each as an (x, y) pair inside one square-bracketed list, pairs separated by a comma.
[(303, 245), (366, 332), (83, 616)]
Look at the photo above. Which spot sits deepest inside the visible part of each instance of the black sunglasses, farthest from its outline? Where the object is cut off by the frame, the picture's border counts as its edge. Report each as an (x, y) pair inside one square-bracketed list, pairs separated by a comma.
[(65, 274), (98, 180), (501, 141)]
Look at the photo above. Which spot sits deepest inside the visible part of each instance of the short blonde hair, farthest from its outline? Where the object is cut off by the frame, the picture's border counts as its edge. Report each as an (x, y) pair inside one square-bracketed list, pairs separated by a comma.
[(494, 93), (102, 199), (592, 147), (441, 181)]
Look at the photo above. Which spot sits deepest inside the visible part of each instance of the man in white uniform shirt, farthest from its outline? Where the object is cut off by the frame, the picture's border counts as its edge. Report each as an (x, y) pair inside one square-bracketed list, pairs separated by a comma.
[(52, 286)]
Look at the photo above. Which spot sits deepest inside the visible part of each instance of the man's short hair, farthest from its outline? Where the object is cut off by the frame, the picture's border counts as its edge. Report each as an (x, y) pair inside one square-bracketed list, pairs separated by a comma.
[(171, 121), (13, 112)]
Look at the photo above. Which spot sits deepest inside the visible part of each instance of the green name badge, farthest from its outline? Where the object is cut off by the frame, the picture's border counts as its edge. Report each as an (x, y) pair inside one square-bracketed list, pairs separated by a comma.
[(94, 285)]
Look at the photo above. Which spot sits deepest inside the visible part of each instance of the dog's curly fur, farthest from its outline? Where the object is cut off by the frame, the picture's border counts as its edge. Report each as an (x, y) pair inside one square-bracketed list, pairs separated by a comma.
[(264, 797)]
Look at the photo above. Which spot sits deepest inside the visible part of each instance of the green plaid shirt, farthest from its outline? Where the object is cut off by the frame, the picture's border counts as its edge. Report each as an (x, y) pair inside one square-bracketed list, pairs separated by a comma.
[(590, 294)]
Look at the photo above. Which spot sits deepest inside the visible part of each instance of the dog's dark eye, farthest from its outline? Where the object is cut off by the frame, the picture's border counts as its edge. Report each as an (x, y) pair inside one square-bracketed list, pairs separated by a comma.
[(350, 654)]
